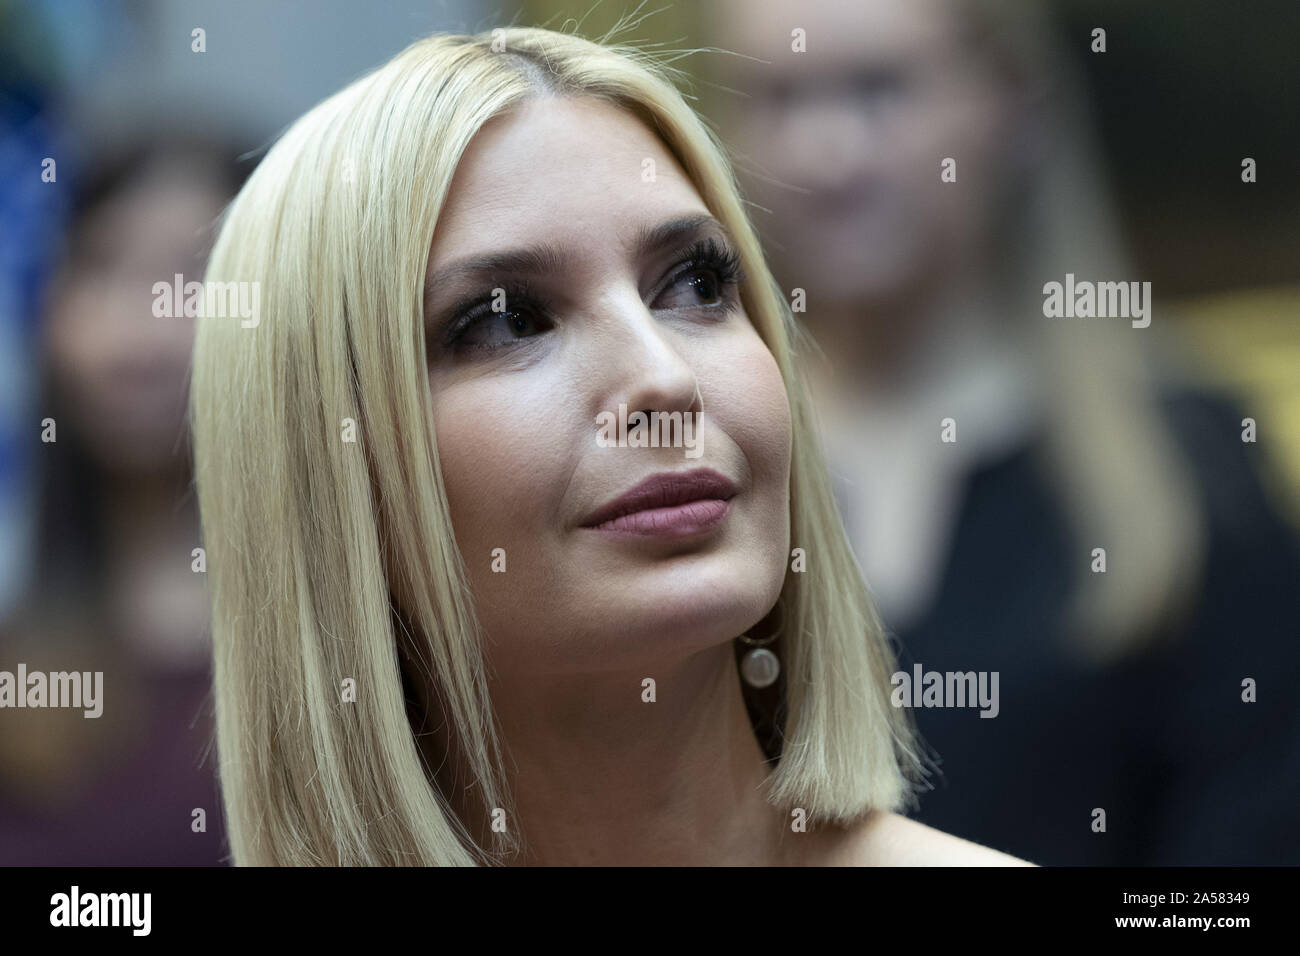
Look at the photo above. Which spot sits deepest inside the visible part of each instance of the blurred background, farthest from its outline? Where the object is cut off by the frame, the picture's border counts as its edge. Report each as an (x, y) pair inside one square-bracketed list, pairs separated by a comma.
[(1157, 691)]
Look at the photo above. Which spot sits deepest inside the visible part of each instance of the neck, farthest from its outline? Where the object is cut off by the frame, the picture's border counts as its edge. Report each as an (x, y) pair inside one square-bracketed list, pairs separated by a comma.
[(156, 601), (871, 343), (601, 777), (885, 360), (878, 341)]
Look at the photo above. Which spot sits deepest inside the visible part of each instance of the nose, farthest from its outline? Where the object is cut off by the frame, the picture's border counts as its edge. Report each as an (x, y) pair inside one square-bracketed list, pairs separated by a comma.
[(643, 364), (831, 140)]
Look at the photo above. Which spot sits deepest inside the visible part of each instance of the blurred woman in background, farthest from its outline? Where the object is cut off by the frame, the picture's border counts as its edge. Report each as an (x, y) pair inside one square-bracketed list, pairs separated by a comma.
[(117, 587), (1122, 689)]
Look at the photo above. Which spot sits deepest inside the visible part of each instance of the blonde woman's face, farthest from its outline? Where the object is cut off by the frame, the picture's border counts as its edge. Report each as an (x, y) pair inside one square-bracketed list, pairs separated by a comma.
[(623, 302), (852, 131)]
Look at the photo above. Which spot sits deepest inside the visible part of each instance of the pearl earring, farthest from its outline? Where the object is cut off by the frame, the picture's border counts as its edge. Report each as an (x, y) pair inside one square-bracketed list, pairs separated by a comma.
[(759, 667)]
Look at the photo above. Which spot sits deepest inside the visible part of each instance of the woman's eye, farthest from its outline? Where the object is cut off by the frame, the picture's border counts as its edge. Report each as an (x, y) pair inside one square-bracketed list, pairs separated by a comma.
[(697, 287), (496, 329)]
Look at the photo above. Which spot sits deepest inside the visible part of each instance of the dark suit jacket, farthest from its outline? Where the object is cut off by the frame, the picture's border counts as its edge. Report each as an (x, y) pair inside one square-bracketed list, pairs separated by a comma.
[(1186, 772)]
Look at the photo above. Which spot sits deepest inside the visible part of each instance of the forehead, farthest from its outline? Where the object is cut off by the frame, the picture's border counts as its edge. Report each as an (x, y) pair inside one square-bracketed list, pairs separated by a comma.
[(838, 35), (563, 170)]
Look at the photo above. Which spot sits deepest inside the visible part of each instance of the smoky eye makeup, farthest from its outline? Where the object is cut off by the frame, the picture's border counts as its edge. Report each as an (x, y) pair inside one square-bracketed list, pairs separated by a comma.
[(708, 257), (511, 313), (509, 302)]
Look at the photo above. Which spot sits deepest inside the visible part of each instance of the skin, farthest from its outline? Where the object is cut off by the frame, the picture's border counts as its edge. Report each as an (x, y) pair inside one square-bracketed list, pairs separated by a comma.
[(580, 618), (122, 370), (122, 375), (848, 137), (842, 144)]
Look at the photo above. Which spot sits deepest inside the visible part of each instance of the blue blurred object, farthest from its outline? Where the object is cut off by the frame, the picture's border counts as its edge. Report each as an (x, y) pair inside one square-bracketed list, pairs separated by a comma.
[(32, 212)]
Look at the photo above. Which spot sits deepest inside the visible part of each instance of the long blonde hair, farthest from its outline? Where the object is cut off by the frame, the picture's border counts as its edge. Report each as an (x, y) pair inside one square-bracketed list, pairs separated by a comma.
[(331, 559), (1123, 480)]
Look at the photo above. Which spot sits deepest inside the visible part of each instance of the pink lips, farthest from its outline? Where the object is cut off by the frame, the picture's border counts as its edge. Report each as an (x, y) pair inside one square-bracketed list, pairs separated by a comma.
[(671, 504)]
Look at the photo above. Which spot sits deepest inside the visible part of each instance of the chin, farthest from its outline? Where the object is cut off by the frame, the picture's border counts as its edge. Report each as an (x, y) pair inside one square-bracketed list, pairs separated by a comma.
[(701, 603)]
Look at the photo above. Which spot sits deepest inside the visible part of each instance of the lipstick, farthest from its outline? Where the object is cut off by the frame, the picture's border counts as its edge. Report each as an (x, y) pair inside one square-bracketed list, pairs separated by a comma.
[(671, 504)]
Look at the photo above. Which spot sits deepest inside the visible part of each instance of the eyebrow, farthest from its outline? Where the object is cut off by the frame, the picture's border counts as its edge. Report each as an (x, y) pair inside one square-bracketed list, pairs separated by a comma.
[(548, 257)]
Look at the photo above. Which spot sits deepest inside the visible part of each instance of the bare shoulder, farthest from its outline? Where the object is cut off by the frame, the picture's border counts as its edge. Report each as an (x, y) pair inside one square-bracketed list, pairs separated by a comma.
[(890, 839)]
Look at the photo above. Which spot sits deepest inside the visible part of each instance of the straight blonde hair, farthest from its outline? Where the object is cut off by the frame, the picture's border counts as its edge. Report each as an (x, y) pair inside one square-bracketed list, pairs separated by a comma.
[(331, 559), (1109, 453)]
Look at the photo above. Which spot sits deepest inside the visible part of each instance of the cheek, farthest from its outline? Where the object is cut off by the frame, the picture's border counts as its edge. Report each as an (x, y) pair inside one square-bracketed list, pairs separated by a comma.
[(503, 471), (767, 393), (753, 409), (74, 343), (749, 399)]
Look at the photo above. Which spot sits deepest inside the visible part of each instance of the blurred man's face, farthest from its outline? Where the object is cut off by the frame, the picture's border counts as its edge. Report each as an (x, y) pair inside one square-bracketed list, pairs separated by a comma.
[(862, 121)]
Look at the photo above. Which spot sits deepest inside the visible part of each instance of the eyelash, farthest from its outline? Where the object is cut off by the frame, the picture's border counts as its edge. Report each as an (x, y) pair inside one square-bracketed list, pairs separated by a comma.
[(704, 254)]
